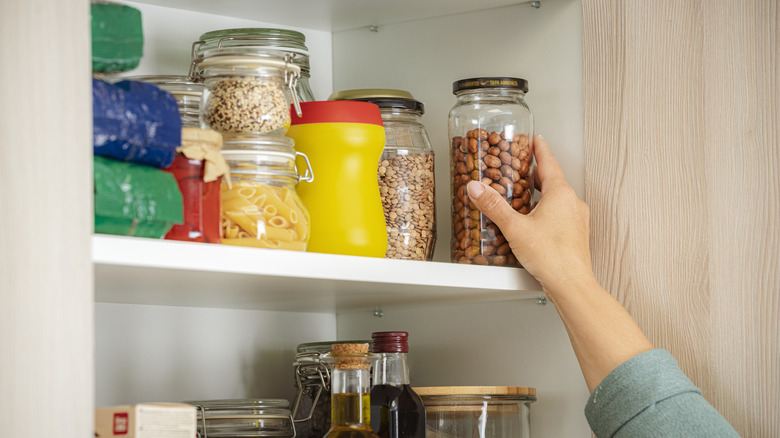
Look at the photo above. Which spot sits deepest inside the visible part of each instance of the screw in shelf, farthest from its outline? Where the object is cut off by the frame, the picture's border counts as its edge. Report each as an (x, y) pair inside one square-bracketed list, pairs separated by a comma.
[(378, 312), (536, 4), (541, 300), (373, 28)]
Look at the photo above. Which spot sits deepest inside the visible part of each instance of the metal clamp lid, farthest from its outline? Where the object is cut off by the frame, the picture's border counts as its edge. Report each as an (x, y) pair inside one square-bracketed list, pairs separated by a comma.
[(305, 371)]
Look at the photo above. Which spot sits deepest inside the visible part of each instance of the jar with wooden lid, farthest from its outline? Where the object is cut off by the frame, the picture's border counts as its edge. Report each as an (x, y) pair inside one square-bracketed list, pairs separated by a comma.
[(490, 127), (287, 42), (478, 411), (260, 206), (405, 173)]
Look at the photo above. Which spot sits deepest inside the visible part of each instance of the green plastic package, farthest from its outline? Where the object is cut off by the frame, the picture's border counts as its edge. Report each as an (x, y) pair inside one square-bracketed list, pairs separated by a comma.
[(117, 37), (135, 200)]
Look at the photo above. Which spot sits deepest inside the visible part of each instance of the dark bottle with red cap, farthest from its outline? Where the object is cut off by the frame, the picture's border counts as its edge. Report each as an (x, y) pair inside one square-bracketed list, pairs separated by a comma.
[(396, 410)]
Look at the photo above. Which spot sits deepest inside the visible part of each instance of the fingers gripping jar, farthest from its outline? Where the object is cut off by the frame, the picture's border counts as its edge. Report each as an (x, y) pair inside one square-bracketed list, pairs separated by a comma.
[(490, 128)]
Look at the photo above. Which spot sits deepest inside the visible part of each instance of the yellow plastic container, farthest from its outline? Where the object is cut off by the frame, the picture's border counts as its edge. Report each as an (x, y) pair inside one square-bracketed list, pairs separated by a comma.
[(343, 141)]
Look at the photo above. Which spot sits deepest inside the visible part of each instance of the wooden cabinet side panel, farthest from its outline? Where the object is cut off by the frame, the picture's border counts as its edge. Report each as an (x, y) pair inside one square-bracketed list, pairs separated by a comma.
[(682, 158)]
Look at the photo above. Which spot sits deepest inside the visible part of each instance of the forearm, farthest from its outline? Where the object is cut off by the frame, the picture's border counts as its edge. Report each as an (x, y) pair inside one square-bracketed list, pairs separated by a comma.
[(601, 331)]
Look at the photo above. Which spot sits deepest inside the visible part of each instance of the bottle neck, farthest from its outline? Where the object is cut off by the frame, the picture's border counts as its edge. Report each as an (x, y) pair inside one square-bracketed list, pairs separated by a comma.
[(391, 369), (350, 401)]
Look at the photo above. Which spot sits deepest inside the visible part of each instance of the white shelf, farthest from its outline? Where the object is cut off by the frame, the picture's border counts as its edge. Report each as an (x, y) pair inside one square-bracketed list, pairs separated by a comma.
[(334, 15), (148, 271)]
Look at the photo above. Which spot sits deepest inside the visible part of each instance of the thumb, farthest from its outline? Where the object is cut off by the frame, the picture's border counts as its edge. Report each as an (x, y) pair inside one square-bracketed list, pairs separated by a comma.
[(495, 207)]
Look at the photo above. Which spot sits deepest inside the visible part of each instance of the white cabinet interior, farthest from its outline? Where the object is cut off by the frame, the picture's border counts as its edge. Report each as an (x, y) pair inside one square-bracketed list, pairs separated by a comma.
[(213, 347)]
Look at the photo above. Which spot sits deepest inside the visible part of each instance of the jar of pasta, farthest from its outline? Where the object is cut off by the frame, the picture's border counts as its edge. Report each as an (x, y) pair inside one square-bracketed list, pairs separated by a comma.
[(246, 94), (287, 42), (260, 207)]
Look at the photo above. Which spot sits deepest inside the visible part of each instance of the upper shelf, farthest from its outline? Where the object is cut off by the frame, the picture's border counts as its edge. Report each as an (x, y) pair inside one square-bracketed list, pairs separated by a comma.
[(333, 15), (162, 272)]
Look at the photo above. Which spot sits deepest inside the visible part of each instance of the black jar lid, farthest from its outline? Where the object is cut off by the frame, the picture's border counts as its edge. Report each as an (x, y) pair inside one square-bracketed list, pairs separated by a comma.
[(490, 82), (382, 97)]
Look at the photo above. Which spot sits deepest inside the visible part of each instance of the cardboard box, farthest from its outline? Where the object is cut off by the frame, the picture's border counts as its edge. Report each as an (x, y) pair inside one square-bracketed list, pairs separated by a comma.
[(146, 420)]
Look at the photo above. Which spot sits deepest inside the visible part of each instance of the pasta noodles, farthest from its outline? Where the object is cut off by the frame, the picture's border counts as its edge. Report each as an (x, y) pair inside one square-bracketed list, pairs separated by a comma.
[(262, 215)]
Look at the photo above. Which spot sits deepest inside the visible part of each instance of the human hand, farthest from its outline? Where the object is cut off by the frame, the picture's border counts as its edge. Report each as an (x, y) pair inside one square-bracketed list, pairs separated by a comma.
[(552, 242)]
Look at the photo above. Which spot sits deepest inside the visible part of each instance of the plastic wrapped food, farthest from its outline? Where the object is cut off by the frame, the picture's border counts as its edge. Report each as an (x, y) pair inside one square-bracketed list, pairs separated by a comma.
[(134, 200), (117, 37), (135, 121)]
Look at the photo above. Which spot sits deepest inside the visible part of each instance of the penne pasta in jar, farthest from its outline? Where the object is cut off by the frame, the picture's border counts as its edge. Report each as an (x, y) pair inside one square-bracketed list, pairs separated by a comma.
[(260, 208)]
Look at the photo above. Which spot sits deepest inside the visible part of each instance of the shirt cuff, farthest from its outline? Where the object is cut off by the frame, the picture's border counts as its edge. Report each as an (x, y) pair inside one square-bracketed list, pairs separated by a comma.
[(632, 387)]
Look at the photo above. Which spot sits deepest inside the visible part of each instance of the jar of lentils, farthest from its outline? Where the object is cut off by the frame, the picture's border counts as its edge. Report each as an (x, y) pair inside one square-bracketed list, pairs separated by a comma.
[(490, 128), (246, 94), (405, 173)]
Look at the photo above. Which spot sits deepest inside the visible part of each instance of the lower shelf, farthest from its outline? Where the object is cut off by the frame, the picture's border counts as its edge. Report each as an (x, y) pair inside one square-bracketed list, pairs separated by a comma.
[(159, 272)]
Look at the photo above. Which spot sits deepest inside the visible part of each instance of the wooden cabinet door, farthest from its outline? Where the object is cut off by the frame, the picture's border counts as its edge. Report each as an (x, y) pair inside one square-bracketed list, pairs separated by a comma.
[(682, 169)]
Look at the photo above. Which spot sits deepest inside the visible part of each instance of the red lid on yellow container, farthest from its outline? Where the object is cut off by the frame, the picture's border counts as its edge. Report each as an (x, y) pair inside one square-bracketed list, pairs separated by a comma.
[(343, 111)]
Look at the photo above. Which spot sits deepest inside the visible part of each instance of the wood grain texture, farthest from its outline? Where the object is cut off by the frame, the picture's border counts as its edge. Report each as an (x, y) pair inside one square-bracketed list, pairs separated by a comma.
[(46, 318), (682, 174)]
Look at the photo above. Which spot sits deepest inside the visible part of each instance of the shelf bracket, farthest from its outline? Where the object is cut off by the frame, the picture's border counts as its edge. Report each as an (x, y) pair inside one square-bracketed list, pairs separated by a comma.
[(378, 312), (536, 4), (542, 300)]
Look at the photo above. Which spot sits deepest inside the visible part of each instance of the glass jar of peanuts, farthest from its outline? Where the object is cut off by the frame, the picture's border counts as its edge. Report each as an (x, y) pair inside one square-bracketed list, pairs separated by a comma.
[(490, 128), (260, 207), (405, 173), (245, 94)]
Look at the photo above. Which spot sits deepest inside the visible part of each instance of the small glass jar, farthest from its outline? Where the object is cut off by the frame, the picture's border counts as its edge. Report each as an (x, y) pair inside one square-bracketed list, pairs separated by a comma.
[(260, 207), (490, 127), (478, 411), (201, 198), (405, 173), (187, 94), (240, 41), (311, 408), (246, 94), (247, 418)]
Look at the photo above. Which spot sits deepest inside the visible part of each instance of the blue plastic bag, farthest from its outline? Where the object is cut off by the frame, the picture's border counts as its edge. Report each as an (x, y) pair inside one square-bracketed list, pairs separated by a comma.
[(135, 121)]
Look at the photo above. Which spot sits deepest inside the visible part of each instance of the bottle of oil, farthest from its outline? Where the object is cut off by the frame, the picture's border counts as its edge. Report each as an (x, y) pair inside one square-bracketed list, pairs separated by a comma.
[(396, 410), (350, 399)]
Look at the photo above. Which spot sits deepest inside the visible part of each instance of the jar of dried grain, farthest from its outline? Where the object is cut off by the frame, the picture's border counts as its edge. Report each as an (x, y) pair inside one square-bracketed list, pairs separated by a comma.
[(490, 128), (245, 94), (405, 173)]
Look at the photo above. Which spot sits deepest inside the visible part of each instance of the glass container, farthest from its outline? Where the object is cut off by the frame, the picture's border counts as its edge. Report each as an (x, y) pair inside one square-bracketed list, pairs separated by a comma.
[(490, 127), (478, 411), (260, 208), (311, 408), (186, 93), (350, 398), (288, 43), (396, 409), (405, 173), (246, 94), (245, 418)]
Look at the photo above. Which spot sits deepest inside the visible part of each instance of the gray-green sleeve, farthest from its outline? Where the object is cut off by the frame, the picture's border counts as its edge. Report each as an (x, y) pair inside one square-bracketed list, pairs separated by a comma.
[(649, 396)]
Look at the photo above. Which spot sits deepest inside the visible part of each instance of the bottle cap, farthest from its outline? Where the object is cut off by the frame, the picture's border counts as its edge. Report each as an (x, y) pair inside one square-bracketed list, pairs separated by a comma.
[(390, 342)]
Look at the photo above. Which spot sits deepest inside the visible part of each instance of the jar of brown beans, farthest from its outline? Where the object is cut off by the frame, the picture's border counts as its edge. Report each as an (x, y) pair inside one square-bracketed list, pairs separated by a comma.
[(490, 129)]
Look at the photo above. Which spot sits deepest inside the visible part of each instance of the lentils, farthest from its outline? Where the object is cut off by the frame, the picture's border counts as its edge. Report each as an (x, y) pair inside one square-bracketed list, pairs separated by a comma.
[(406, 185), (245, 106), (504, 161)]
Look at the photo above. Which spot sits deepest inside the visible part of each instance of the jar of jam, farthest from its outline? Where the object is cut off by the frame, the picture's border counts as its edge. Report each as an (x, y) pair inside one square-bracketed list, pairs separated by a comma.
[(490, 128), (405, 173), (289, 43), (246, 94), (260, 207), (198, 165)]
